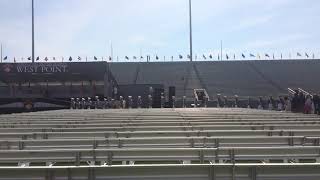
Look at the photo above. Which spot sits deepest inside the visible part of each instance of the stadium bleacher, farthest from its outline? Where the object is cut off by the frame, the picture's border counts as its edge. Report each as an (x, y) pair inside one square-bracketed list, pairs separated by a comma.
[(197, 143), (244, 78)]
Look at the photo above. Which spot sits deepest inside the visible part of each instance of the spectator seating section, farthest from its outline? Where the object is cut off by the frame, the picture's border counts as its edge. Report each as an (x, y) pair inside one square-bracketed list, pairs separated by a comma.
[(160, 143), (243, 78)]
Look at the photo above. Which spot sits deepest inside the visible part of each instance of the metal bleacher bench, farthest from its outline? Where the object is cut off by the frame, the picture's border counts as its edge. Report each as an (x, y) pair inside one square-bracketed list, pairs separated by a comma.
[(160, 144)]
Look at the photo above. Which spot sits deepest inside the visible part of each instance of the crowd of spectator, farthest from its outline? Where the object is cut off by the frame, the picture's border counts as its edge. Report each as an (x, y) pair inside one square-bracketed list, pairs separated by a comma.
[(297, 103)]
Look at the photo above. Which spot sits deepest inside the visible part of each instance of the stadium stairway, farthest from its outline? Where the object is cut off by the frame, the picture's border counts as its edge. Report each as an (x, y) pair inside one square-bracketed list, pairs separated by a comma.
[(174, 144)]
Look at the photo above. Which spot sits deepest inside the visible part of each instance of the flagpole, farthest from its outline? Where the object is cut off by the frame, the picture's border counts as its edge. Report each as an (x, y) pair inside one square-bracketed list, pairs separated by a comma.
[(140, 53), (1, 52), (221, 50), (32, 31), (190, 24), (111, 50)]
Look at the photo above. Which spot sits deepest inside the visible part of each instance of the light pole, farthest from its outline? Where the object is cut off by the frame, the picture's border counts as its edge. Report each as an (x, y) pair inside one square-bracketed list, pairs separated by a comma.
[(32, 31), (190, 24)]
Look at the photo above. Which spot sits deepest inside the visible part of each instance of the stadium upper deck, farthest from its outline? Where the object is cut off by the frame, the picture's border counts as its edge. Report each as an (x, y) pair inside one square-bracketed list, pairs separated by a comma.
[(242, 78)]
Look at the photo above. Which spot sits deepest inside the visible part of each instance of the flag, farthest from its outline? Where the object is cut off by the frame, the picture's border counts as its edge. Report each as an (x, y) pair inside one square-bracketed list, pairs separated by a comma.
[(227, 56), (70, 58), (157, 58), (38, 58), (79, 58), (252, 55), (142, 57), (95, 58), (134, 57), (299, 55), (110, 58), (218, 57), (243, 56), (307, 55), (180, 56), (5, 58), (204, 57), (54, 58), (46, 59), (29, 58), (210, 56), (267, 55), (127, 58)]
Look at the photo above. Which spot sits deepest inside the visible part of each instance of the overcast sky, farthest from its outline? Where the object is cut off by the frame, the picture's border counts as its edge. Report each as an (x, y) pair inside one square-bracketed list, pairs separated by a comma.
[(87, 27)]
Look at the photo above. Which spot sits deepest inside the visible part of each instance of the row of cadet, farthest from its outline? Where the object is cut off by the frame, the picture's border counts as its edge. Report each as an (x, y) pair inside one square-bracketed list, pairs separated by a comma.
[(298, 103)]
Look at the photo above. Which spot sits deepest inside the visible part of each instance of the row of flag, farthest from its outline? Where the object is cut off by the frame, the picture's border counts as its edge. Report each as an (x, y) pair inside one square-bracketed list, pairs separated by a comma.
[(148, 58)]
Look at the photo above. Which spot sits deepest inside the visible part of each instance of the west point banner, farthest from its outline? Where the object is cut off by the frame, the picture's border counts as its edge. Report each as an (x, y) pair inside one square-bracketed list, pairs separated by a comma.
[(17, 72), (41, 68)]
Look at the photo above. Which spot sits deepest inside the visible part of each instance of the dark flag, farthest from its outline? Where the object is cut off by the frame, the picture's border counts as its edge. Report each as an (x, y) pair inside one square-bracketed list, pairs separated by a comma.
[(5, 58), (127, 58), (110, 58), (307, 55), (267, 55), (210, 56), (79, 58), (70, 58), (38, 58), (218, 57), (46, 59), (54, 58), (204, 57), (141, 57), (243, 56), (134, 57), (180, 57), (29, 58), (95, 58), (299, 55), (227, 56), (157, 58), (252, 55)]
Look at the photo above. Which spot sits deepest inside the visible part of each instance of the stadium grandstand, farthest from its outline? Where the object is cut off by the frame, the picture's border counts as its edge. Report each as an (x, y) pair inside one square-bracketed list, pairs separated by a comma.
[(54, 84), (246, 110), (134, 121)]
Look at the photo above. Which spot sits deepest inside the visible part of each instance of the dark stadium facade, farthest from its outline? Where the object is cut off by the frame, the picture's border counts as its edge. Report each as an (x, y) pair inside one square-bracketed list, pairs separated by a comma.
[(37, 86)]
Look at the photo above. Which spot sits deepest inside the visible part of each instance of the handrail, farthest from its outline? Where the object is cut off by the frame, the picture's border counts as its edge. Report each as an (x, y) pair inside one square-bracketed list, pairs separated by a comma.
[(305, 92), (291, 91)]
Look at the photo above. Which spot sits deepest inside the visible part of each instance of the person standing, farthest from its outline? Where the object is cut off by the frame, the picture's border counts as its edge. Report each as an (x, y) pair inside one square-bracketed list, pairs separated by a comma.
[(308, 105)]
